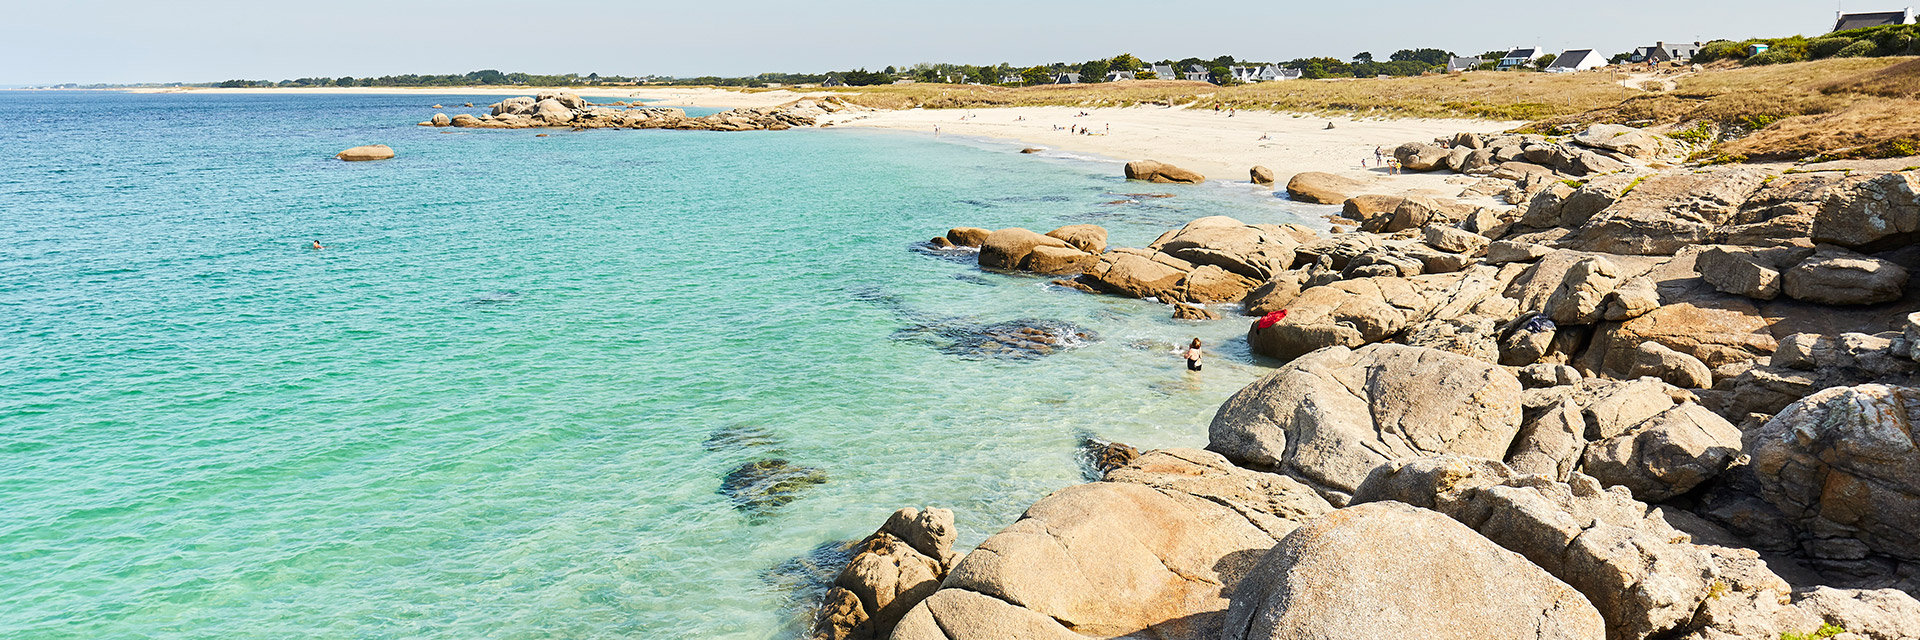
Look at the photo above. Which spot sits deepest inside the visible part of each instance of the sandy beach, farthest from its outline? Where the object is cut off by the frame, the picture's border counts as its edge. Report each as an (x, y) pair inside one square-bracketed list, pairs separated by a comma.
[(1219, 146), (660, 96)]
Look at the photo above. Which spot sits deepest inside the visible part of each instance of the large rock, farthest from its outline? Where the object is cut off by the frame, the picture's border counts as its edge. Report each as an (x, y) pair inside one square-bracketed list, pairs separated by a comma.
[(1090, 238), (1152, 551), (1275, 294), (1881, 213), (897, 567), (968, 236), (366, 152), (1139, 274), (1363, 208), (523, 105), (552, 111), (1582, 295), (1638, 571), (440, 120), (1677, 369), (1420, 156), (1332, 416), (1008, 248), (1667, 212), (1419, 211), (1744, 271), (1260, 175), (1391, 571), (1321, 188), (1152, 171), (1838, 276), (1716, 331), (1253, 251), (1053, 260), (1843, 464), (1625, 140), (1208, 284), (1667, 455)]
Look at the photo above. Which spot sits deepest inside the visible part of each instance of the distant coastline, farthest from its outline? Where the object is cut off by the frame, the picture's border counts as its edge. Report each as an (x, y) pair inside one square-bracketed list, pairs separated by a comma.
[(662, 96)]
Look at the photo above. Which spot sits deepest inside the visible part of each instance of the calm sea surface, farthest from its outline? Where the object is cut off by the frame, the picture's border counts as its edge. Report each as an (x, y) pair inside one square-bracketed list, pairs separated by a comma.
[(485, 409)]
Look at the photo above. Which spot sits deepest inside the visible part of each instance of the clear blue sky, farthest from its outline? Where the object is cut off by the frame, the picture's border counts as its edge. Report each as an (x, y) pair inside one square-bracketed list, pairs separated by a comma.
[(122, 41)]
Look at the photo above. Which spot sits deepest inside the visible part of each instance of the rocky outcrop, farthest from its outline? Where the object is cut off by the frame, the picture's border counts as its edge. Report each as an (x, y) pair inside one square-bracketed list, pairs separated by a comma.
[(569, 110), (366, 152), (1009, 248), (1838, 276), (1843, 465), (1321, 188), (1331, 417), (896, 568), (1666, 455), (1881, 213), (1085, 237), (1667, 212), (1640, 573), (1152, 171), (968, 236), (1389, 570), (1153, 550)]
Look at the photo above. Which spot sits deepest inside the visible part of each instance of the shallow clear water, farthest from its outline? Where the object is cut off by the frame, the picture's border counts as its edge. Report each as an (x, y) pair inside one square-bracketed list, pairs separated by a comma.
[(481, 410)]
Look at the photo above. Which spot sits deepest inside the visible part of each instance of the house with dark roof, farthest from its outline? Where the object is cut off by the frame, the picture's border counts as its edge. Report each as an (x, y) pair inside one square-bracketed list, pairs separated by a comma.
[(1164, 72), (1463, 64), (1250, 74), (1116, 76), (1521, 57), (1067, 77), (833, 80), (1666, 52), (1851, 21), (1576, 60), (1198, 73)]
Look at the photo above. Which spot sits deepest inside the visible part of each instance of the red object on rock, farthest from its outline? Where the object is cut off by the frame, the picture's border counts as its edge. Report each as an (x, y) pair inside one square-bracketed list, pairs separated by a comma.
[(1267, 321)]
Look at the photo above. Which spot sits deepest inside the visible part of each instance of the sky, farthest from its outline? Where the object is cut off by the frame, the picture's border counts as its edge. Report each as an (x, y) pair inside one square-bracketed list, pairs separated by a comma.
[(132, 41)]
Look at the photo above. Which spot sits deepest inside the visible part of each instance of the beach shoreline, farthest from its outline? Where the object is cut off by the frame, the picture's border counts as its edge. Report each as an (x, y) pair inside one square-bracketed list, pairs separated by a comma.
[(1220, 146)]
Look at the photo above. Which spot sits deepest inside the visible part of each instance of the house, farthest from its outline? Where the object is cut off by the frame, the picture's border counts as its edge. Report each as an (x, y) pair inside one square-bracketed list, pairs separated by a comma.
[(1850, 21), (1068, 77), (1262, 73), (1116, 76), (1197, 73), (1463, 64), (1521, 57), (1666, 52), (1576, 60), (834, 81), (1756, 49), (1164, 72), (1011, 78)]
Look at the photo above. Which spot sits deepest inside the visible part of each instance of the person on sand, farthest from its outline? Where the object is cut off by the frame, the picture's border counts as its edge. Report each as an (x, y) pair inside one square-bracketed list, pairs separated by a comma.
[(1193, 355), (316, 245)]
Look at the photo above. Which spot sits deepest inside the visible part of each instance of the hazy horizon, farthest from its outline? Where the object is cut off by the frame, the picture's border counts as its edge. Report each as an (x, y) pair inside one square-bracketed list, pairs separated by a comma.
[(122, 42)]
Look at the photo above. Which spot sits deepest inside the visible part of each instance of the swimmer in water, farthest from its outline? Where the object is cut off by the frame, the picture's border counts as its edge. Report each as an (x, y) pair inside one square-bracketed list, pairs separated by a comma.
[(316, 245), (1193, 355)]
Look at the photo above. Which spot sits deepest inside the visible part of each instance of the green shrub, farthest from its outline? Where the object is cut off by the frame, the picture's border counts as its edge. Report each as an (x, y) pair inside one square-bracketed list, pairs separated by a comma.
[(1857, 49), (1772, 56), (1699, 134), (1719, 50), (1827, 47), (1825, 631)]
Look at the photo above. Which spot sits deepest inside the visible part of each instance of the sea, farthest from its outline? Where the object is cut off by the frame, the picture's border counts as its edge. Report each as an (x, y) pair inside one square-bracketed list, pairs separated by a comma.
[(505, 399)]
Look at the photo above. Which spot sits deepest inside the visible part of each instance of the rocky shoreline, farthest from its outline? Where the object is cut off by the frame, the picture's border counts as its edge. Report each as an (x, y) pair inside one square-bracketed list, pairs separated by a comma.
[(1600, 394), (553, 109)]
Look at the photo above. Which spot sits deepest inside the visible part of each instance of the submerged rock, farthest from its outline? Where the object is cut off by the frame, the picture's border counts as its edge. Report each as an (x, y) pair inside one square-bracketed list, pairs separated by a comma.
[(1013, 340), (764, 485), (741, 436), (1097, 456)]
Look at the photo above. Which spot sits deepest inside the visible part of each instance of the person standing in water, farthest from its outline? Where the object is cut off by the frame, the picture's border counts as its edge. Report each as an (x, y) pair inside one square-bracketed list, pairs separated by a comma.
[(1193, 355)]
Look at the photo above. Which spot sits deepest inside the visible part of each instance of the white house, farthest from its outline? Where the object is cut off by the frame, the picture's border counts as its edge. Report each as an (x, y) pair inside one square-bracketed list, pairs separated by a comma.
[(1666, 52), (1116, 76), (1849, 21), (1463, 64), (1262, 73), (1011, 78), (1521, 57), (1576, 60), (1164, 72), (1198, 73)]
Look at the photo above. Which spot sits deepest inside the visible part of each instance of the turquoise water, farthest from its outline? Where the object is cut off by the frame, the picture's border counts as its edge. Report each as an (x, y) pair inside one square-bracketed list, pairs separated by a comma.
[(482, 411)]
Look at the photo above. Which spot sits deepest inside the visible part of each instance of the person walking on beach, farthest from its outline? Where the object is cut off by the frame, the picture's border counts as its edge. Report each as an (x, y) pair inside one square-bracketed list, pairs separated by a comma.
[(1379, 155), (1193, 355)]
